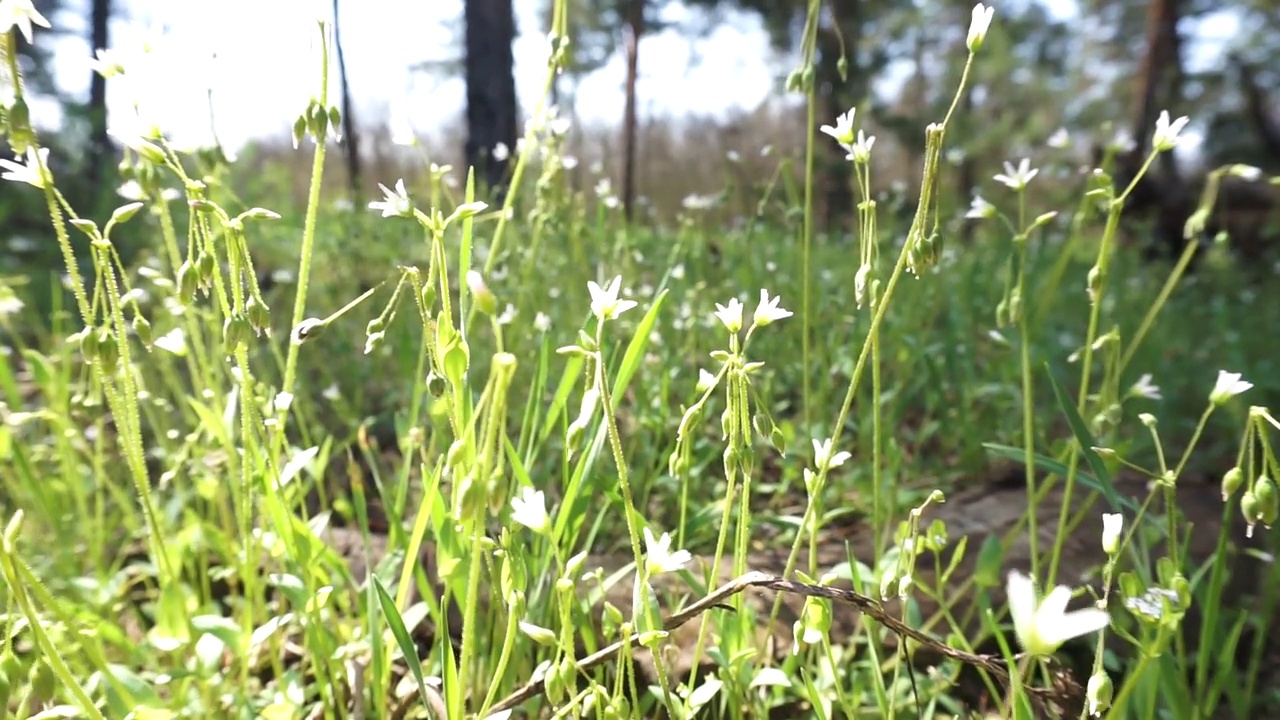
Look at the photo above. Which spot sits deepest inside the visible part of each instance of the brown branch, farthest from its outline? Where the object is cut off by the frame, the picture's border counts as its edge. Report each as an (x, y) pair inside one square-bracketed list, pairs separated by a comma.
[(1067, 690)]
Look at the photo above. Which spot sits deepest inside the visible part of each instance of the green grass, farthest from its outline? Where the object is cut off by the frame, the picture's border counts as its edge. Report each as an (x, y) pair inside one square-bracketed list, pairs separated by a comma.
[(162, 469)]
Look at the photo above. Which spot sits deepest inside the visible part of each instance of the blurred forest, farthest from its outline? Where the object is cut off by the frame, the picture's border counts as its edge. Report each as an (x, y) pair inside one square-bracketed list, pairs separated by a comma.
[(1087, 78)]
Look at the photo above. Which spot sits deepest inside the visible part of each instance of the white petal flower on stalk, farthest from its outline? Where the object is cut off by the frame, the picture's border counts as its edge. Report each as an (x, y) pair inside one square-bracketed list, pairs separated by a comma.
[(1043, 625), (605, 304), (529, 508), (1228, 386), (1167, 132), (1112, 525), (979, 23), (768, 311), (823, 458), (860, 151), (394, 203), (1017, 178), (706, 380), (106, 63), (1144, 388), (980, 209), (660, 558), (400, 126), (730, 315), (20, 14), (30, 173), (843, 131)]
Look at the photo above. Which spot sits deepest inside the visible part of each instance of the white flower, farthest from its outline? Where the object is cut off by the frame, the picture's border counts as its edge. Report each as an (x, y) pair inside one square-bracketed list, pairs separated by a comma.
[(501, 152), (860, 151), (1166, 135), (20, 14), (605, 303), (281, 401), (1151, 603), (860, 284), (843, 131), (660, 559), (106, 63), (706, 380), (768, 311), (130, 190), (1059, 139), (980, 209), (1112, 525), (1042, 626), (1144, 388), (174, 341), (1018, 178), (30, 173), (1246, 172), (541, 322), (823, 458), (401, 127), (10, 303), (978, 26), (394, 203), (138, 135), (730, 315), (1228, 386), (529, 509)]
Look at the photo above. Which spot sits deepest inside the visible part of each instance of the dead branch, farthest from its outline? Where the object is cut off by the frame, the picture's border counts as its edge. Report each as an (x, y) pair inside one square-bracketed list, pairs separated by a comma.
[(1067, 691)]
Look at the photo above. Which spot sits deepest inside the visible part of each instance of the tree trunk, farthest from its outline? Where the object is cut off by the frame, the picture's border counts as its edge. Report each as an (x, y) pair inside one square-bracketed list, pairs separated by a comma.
[(632, 32), (1159, 80), (1258, 109), (491, 90), (99, 155), (351, 143)]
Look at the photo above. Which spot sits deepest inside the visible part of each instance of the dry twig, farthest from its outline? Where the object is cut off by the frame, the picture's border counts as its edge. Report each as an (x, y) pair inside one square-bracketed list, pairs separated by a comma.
[(1065, 694)]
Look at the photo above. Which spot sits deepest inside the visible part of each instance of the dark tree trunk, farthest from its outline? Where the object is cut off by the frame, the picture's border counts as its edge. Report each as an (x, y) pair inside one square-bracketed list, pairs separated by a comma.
[(1159, 80), (99, 155), (1258, 109), (491, 89), (350, 139), (633, 31)]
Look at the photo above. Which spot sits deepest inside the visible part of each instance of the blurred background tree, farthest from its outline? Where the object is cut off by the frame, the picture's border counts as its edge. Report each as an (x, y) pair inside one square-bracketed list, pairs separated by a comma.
[(1100, 70)]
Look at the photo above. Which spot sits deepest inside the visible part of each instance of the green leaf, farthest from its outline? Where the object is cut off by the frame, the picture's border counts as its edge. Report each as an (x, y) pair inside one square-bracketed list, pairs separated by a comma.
[(407, 646), (1086, 441), (636, 349)]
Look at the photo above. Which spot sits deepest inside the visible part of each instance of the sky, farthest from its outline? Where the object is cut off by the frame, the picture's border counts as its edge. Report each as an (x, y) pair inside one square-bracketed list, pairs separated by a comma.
[(259, 60)]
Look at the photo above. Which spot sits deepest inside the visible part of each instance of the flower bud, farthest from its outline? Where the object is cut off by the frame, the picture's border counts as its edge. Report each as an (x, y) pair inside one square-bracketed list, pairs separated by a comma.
[(1099, 692), (1268, 500), (1231, 482)]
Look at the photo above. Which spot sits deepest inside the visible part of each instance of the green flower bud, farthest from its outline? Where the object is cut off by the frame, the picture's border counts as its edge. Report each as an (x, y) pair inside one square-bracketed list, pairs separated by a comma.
[(108, 350), (1099, 693), (259, 315), (1268, 500), (142, 328), (1231, 482), (188, 282), (205, 265)]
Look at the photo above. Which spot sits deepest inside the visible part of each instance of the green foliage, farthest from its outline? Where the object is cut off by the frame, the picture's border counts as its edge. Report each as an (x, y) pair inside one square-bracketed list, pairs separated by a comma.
[(497, 403)]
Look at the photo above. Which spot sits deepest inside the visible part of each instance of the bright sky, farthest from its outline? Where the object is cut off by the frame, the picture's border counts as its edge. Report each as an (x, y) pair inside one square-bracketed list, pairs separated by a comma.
[(266, 65)]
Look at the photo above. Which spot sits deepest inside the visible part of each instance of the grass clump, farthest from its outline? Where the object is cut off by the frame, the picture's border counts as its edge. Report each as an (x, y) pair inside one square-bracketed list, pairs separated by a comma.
[(543, 459)]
